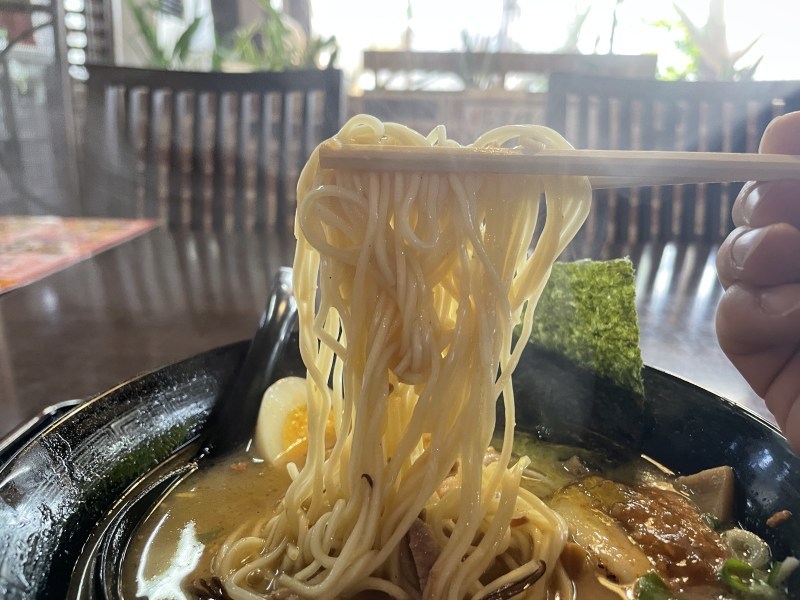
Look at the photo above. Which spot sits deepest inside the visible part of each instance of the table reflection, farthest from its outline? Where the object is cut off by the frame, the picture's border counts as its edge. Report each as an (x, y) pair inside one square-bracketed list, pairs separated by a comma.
[(168, 295)]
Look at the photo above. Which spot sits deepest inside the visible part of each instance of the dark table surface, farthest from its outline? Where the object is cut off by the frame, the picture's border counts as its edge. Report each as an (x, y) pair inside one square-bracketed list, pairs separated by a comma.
[(168, 295)]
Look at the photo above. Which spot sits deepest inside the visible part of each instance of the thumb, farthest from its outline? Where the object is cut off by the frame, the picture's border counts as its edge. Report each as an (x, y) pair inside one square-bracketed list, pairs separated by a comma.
[(782, 135)]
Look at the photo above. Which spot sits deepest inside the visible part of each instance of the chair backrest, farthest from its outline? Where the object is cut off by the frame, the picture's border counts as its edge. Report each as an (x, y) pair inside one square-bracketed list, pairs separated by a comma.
[(203, 150), (613, 113)]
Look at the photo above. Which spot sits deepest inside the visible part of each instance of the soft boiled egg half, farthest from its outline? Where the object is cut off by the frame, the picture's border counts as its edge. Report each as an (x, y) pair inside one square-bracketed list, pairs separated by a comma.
[(281, 433)]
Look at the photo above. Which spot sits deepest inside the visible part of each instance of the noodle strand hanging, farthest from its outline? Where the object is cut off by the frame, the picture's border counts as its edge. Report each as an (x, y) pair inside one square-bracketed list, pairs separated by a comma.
[(409, 286)]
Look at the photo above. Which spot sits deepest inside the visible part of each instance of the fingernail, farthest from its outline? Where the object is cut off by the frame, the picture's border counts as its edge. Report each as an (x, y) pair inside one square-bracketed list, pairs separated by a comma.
[(752, 198), (780, 302), (744, 245)]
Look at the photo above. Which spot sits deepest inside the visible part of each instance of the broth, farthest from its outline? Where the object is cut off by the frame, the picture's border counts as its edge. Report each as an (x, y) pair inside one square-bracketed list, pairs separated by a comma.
[(176, 542), (174, 546)]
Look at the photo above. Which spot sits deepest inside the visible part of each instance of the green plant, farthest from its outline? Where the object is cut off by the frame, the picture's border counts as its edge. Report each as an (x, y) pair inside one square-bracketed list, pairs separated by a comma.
[(476, 67), (156, 54), (275, 43), (706, 47)]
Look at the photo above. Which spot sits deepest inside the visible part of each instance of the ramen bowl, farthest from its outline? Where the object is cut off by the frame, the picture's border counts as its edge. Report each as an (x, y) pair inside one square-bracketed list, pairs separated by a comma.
[(61, 483)]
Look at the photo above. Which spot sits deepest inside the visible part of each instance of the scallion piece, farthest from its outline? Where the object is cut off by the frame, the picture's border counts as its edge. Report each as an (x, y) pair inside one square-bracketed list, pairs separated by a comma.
[(652, 587), (746, 582), (780, 571), (737, 574)]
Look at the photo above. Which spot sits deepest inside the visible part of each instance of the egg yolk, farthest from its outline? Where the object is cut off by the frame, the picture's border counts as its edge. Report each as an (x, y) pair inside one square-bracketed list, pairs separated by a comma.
[(295, 431)]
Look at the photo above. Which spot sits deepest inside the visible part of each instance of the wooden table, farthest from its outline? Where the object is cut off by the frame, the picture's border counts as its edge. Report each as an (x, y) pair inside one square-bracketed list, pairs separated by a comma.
[(165, 296)]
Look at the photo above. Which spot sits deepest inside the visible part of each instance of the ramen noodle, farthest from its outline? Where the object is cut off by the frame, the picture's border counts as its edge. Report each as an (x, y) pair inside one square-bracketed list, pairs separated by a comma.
[(408, 287)]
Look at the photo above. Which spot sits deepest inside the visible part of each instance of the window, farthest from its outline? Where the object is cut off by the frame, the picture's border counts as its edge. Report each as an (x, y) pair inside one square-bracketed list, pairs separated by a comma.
[(172, 7)]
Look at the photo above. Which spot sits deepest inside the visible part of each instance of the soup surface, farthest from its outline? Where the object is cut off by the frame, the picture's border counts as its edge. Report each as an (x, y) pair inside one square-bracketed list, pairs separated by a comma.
[(625, 516), (175, 544)]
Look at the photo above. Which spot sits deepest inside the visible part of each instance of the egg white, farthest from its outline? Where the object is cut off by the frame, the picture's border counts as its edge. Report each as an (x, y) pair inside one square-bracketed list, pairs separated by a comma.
[(279, 401)]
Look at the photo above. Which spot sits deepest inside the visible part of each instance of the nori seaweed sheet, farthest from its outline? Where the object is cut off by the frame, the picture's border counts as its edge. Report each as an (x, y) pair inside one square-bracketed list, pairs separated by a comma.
[(587, 313), (582, 370)]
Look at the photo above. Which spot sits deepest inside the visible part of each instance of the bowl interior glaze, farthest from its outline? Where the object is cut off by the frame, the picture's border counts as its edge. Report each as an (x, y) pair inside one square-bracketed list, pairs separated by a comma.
[(58, 487)]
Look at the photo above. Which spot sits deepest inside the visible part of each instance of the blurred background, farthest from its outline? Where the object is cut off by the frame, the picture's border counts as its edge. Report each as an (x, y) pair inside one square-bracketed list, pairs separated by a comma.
[(150, 149), (470, 66)]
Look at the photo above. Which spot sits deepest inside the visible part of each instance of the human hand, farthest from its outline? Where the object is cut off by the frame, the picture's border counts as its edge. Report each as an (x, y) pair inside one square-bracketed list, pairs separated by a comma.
[(758, 318)]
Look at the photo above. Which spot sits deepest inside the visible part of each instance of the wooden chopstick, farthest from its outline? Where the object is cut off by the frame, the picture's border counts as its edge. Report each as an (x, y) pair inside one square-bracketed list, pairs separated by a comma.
[(605, 168)]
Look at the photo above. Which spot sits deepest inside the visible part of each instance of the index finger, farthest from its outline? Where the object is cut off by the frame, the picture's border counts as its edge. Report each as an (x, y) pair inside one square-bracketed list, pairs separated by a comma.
[(766, 203), (761, 203)]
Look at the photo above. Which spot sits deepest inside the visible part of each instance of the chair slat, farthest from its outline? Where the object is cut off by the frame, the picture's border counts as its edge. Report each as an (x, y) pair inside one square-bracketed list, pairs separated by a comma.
[(151, 158), (240, 167), (622, 120), (218, 175), (691, 133), (222, 113), (644, 209), (264, 128), (604, 200), (712, 207), (680, 112), (306, 125), (197, 204), (175, 175), (282, 177), (671, 114)]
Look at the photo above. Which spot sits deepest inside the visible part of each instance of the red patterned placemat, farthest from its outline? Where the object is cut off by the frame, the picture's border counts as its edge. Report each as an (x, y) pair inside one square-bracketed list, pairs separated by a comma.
[(33, 247)]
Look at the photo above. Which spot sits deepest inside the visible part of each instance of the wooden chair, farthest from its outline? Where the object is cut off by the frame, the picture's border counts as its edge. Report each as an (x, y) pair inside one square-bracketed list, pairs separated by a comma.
[(614, 113), (213, 151)]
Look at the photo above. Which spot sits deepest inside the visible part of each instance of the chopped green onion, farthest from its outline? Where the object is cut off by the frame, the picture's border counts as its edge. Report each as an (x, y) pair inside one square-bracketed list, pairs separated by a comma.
[(747, 546), (737, 574), (710, 520), (781, 571), (746, 582), (652, 587)]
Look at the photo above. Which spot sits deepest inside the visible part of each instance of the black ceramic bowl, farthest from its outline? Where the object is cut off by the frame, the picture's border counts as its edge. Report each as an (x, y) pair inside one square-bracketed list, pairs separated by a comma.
[(60, 484)]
